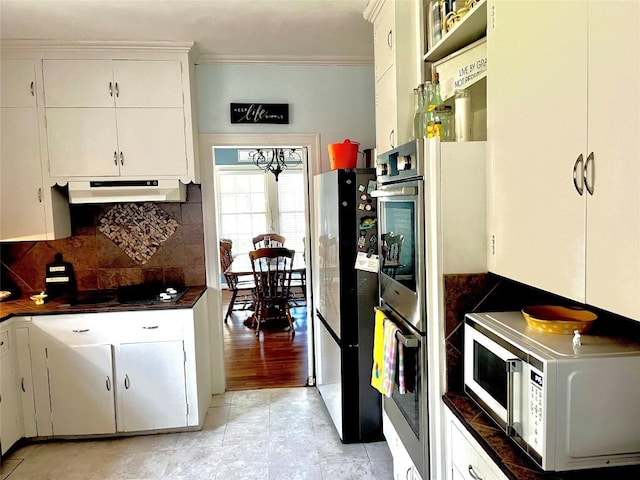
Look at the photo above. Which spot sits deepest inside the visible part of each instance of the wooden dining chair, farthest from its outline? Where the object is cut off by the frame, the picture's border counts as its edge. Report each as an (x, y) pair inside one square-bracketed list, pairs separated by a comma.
[(272, 276), (268, 240), (239, 286)]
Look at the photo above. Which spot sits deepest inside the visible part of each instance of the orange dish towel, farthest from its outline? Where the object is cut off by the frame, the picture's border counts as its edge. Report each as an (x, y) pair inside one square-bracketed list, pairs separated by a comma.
[(378, 352)]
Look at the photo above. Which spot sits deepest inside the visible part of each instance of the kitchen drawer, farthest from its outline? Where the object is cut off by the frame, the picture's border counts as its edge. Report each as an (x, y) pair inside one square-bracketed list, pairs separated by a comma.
[(466, 460), (71, 330), (157, 326)]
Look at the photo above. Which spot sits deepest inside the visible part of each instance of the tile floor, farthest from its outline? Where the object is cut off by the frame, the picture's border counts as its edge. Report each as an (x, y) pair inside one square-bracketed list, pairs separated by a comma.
[(279, 434)]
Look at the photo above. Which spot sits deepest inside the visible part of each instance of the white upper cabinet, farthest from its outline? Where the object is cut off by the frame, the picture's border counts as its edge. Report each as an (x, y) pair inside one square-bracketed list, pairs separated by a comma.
[(29, 210), (122, 111), (398, 68), (564, 207), (109, 83), (18, 83)]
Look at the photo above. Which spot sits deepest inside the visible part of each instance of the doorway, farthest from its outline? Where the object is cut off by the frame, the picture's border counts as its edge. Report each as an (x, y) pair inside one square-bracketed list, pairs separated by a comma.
[(208, 144)]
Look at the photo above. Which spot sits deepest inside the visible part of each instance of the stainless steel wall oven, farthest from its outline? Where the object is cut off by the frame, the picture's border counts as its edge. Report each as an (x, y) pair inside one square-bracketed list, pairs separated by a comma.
[(400, 194)]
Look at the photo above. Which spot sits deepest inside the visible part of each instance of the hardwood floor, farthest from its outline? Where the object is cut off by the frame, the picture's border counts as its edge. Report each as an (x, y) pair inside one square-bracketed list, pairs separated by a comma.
[(275, 359)]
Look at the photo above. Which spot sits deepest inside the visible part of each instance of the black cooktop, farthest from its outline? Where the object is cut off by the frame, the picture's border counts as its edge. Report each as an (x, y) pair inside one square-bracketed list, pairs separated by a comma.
[(129, 294)]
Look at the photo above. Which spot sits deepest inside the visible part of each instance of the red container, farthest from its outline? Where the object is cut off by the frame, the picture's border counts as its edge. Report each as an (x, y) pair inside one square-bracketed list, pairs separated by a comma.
[(343, 155)]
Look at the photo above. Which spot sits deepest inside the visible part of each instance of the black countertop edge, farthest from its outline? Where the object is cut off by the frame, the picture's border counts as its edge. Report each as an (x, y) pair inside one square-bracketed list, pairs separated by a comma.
[(24, 307), (512, 461)]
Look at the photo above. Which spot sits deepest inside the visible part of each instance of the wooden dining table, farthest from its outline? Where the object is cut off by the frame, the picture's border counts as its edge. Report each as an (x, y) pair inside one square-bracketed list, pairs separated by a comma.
[(241, 267)]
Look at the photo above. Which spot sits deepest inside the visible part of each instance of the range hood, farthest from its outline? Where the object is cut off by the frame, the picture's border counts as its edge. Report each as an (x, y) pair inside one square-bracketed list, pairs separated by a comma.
[(120, 191)]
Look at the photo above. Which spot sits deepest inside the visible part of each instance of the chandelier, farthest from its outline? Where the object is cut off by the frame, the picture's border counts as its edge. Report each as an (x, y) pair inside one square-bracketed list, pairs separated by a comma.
[(275, 160)]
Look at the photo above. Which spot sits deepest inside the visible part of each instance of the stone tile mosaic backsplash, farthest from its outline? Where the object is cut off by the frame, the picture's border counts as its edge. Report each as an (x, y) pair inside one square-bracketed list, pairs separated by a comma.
[(139, 230), (122, 244)]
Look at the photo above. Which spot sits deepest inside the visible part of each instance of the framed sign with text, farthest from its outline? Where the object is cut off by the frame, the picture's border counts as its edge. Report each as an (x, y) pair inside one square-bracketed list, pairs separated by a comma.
[(259, 113)]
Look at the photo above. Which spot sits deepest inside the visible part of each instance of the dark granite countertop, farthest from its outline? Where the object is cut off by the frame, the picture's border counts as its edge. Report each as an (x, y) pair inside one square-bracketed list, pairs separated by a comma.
[(508, 456), (24, 306)]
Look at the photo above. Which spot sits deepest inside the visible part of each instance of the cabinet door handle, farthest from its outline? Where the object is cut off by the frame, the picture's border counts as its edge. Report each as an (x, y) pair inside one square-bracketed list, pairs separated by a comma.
[(121, 159), (151, 327), (108, 384), (127, 383), (473, 473), (80, 330), (33, 89), (24, 390), (40, 194), (111, 89), (117, 90), (407, 475), (115, 158), (587, 184), (579, 188), (390, 39), (392, 135)]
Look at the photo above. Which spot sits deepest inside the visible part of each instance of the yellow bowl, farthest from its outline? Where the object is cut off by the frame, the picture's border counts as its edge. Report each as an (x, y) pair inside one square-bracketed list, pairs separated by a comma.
[(555, 319)]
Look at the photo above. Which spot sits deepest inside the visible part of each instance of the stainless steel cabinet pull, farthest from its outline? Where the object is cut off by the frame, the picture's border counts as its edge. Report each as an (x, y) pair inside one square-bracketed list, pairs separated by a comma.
[(117, 90), (127, 383), (408, 475), (392, 135), (24, 390), (33, 89), (40, 194), (111, 89), (579, 188), (1, 343), (473, 473), (115, 158), (108, 384), (390, 39), (81, 330), (590, 161), (121, 159), (153, 327)]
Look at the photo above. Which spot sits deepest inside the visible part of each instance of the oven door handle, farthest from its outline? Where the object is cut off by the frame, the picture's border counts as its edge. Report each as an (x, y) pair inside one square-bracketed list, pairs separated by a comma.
[(408, 341), (514, 365), (395, 192)]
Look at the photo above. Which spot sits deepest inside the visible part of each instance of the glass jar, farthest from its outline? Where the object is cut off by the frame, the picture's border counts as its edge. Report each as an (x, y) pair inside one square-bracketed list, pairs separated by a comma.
[(441, 124), (463, 116), (418, 104)]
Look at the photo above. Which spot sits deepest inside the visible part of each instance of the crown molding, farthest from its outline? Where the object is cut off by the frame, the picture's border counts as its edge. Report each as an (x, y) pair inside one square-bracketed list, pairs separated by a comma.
[(372, 10), (106, 45), (213, 59)]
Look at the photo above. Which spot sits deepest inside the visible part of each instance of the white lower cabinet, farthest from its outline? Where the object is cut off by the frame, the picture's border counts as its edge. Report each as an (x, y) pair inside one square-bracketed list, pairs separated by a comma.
[(403, 468), (81, 389), (11, 428), (103, 373), (151, 386), (466, 460)]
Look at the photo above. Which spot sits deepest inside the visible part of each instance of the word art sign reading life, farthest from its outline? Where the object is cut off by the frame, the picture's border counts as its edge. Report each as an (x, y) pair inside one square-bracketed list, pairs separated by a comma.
[(260, 113)]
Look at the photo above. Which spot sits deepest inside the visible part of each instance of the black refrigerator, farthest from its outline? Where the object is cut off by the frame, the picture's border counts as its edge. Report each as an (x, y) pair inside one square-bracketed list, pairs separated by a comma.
[(345, 297)]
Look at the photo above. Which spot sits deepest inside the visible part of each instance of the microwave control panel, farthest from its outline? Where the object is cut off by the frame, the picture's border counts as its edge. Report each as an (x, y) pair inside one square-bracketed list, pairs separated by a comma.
[(535, 434)]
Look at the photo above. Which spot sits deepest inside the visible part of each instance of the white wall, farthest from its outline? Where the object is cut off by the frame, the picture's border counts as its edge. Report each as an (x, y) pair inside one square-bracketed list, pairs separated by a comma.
[(335, 101)]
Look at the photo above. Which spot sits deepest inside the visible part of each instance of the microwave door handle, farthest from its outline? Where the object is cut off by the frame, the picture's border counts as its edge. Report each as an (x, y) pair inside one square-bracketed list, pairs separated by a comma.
[(514, 366)]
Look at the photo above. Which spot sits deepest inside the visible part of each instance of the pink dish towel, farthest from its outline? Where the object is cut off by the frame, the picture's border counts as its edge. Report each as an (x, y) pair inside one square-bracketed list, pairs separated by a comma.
[(402, 387), (389, 365)]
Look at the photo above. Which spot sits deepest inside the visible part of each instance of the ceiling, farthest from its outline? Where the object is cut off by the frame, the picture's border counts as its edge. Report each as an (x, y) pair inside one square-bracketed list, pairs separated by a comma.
[(299, 31)]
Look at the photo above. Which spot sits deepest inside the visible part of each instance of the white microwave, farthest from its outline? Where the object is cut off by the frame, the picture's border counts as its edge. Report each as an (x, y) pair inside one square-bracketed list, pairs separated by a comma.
[(568, 407)]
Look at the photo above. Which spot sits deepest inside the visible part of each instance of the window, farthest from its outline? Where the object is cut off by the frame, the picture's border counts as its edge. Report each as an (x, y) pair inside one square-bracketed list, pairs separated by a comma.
[(251, 202)]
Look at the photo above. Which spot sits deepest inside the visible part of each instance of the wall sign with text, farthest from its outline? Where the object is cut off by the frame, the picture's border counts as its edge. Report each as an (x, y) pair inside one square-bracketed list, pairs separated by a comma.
[(259, 113)]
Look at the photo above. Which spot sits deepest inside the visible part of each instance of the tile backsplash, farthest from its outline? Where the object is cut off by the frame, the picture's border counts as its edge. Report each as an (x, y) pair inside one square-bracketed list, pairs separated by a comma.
[(118, 244)]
